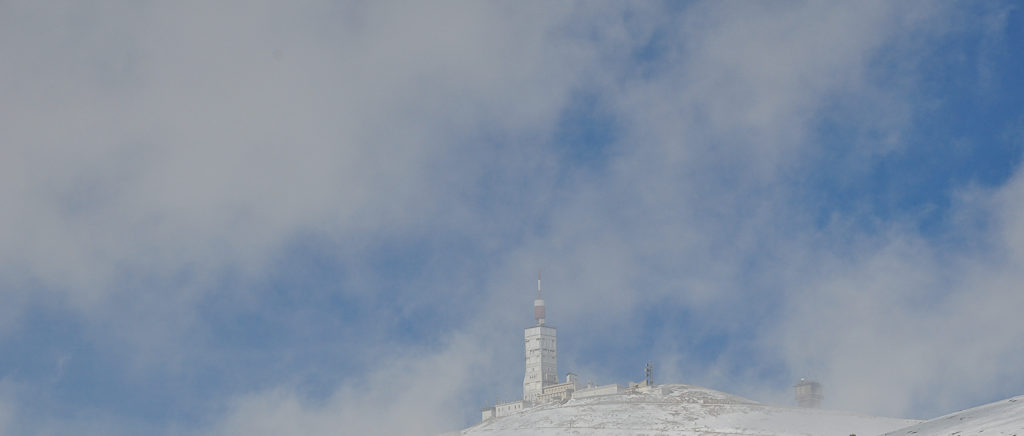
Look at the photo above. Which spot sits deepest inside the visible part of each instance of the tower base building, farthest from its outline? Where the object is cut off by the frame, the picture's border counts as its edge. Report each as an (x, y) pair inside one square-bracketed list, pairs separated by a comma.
[(540, 381)]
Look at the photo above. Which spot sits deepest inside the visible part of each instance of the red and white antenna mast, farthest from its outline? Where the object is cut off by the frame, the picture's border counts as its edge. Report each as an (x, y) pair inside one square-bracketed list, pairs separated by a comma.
[(538, 283), (538, 304)]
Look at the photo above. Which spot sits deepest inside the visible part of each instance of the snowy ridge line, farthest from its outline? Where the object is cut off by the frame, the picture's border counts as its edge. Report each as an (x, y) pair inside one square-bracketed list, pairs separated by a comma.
[(739, 432), (681, 410), (1004, 417)]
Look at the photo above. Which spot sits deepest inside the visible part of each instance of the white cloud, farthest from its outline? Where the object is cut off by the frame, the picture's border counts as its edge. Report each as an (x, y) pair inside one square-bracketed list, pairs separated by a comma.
[(906, 324), (167, 144), (177, 141), (413, 393), (6, 416)]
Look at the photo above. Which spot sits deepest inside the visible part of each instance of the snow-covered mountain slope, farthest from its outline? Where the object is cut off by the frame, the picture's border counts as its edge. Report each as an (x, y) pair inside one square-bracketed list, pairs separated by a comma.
[(681, 410), (1004, 417)]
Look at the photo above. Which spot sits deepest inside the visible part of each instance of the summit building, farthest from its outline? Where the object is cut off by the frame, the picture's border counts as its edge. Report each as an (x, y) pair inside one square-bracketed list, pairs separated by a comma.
[(541, 343), (540, 381)]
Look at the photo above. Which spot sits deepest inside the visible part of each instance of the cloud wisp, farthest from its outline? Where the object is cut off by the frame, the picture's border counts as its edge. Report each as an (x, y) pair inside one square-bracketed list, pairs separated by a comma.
[(323, 217)]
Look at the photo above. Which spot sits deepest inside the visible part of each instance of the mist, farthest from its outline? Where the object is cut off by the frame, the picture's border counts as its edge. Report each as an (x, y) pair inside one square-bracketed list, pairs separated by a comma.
[(323, 218)]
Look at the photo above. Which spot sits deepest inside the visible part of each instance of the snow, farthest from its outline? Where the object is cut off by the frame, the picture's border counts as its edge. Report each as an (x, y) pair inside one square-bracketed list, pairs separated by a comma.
[(681, 410), (1004, 417)]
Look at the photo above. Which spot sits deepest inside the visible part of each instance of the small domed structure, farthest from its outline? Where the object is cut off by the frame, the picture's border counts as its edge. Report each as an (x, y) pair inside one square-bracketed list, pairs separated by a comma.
[(808, 393)]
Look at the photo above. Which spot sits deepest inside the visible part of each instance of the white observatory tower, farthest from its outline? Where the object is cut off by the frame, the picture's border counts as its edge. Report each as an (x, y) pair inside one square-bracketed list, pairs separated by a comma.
[(808, 393), (541, 352)]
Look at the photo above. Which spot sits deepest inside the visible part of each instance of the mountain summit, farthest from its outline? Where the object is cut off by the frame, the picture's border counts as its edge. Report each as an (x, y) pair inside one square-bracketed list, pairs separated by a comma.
[(681, 410)]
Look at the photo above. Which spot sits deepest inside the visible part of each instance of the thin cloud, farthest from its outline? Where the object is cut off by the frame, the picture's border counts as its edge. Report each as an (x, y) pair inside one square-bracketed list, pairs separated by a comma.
[(258, 198)]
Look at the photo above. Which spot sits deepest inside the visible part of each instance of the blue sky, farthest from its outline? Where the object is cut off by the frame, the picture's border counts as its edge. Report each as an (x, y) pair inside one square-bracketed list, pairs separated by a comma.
[(259, 218)]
